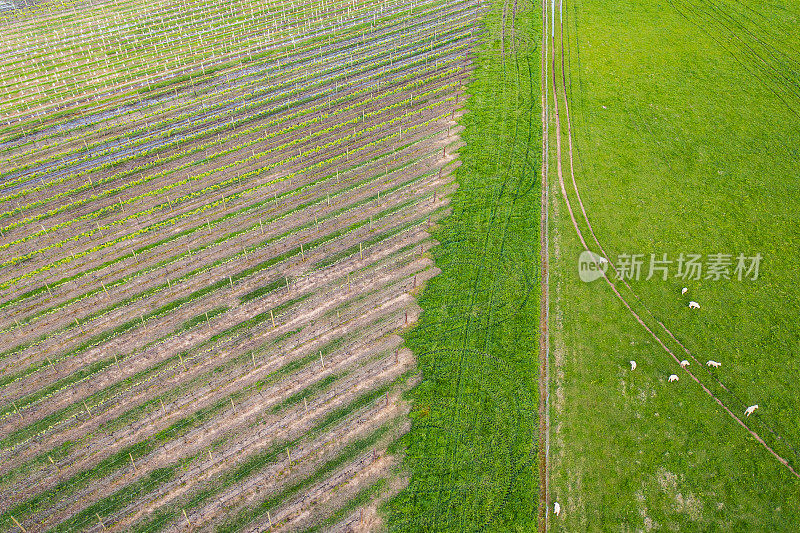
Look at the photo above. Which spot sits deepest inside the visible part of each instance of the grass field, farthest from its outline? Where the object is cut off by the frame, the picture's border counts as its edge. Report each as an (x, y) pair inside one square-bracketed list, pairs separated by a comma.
[(685, 126), (473, 445)]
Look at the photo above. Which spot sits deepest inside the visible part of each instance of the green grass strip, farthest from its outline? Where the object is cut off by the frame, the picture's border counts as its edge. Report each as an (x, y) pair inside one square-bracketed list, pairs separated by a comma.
[(474, 417)]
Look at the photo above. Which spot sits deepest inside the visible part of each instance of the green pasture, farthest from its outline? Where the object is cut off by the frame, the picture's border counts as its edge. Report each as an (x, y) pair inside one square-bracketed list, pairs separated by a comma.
[(686, 126)]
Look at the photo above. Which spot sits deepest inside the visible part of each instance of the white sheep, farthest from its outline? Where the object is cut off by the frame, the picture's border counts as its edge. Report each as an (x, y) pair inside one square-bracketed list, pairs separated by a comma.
[(684, 363), (556, 508), (750, 410), (633, 366), (684, 290), (694, 305), (672, 378), (714, 364)]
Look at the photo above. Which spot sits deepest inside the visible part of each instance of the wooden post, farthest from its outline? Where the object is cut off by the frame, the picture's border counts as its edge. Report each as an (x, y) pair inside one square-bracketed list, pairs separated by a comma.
[(187, 518), (132, 461), (302, 253), (87, 408), (19, 525), (262, 226), (361, 250), (100, 520), (230, 279), (322, 361), (272, 317), (232, 405), (163, 410), (289, 456)]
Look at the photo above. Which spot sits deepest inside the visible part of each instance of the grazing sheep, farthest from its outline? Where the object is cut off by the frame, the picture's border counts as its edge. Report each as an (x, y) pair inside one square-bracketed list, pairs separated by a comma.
[(633, 366), (750, 410), (556, 508), (714, 364), (684, 363), (672, 378), (694, 305), (684, 290)]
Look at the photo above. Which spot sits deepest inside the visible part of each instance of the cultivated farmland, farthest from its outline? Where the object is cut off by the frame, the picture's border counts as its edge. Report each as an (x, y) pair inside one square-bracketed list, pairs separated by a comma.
[(215, 220)]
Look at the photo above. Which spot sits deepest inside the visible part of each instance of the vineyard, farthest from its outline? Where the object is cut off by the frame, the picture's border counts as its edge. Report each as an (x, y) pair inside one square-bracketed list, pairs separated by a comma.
[(215, 222)]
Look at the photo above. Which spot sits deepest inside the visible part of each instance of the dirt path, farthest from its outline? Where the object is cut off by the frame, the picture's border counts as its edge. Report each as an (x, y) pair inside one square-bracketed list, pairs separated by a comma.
[(544, 317)]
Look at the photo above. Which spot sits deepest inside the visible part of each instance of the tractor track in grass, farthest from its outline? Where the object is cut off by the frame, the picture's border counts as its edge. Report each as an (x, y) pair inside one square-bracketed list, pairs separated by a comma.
[(555, 88)]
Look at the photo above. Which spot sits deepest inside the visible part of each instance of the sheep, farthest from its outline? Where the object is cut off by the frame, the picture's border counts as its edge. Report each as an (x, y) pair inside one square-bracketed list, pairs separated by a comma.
[(750, 410), (556, 508), (694, 305), (714, 364), (684, 290), (684, 363), (672, 378), (633, 366)]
